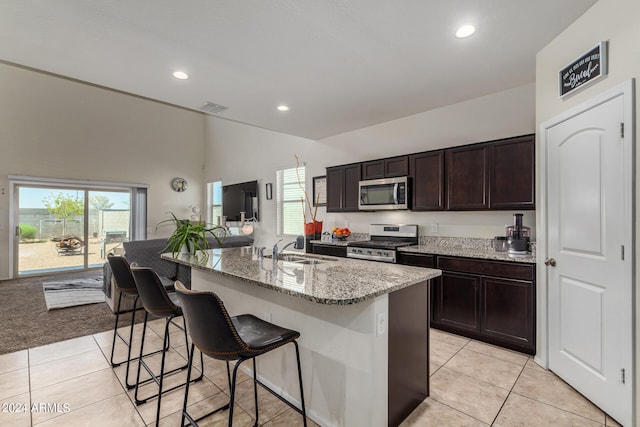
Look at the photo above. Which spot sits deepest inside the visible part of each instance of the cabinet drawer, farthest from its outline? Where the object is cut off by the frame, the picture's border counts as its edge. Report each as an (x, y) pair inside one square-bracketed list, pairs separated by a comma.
[(331, 250), (488, 268), (418, 260)]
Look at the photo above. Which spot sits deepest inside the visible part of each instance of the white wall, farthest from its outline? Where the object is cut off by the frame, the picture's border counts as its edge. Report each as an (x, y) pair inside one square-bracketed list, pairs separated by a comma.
[(235, 153), (58, 128), (615, 21)]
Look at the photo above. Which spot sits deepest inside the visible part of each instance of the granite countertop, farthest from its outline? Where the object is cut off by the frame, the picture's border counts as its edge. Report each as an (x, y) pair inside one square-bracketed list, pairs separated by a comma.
[(333, 281), (468, 252)]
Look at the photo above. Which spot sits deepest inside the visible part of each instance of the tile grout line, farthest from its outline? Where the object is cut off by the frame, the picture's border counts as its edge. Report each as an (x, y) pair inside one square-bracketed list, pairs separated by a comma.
[(509, 394)]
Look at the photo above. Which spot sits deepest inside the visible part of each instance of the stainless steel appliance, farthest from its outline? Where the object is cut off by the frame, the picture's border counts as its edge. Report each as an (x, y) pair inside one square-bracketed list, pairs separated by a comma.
[(385, 240), (384, 194)]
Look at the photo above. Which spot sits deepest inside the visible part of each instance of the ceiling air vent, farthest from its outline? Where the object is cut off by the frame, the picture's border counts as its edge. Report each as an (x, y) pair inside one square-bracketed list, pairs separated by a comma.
[(212, 108)]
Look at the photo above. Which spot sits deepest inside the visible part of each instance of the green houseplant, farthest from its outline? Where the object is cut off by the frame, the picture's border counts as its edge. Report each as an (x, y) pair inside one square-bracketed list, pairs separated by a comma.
[(190, 236)]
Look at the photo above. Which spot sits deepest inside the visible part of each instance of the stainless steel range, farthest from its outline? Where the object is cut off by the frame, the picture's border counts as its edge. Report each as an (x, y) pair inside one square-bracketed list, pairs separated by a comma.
[(385, 239)]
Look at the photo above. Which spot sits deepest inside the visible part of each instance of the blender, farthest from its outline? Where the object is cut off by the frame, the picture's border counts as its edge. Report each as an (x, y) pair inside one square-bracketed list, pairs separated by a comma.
[(518, 237)]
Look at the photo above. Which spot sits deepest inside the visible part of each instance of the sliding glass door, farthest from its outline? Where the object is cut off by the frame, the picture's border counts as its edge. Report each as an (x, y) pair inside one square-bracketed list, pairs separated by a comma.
[(62, 228)]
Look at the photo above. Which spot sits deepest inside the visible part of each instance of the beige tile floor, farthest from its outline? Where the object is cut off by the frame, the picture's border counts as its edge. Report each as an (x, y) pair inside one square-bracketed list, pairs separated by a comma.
[(71, 383), (477, 384)]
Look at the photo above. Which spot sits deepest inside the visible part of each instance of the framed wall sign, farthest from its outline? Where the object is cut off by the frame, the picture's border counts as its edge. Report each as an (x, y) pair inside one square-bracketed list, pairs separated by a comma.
[(320, 190), (587, 68)]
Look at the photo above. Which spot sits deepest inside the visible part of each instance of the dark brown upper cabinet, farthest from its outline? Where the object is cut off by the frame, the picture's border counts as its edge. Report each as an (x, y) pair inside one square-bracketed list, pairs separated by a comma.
[(342, 187), (496, 175), (468, 177), (427, 180), (386, 168), (513, 173)]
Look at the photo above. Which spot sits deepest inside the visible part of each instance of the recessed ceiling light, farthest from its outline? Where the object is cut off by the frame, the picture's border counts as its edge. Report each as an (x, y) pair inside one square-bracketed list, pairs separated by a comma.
[(465, 31), (180, 75), (283, 108)]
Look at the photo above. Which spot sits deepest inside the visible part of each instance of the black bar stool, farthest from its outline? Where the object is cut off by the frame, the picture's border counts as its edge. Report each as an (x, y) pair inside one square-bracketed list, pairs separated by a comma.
[(126, 286), (157, 302), (239, 338)]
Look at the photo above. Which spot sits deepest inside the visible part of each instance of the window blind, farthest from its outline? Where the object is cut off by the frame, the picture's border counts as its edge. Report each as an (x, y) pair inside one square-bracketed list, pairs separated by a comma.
[(289, 200)]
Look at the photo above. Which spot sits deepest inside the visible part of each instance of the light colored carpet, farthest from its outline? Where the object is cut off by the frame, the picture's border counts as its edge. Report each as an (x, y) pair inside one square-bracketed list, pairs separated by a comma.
[(69, 293)]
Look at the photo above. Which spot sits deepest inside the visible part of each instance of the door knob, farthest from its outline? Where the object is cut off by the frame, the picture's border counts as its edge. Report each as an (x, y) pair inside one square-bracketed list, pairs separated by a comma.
[(550, 261)]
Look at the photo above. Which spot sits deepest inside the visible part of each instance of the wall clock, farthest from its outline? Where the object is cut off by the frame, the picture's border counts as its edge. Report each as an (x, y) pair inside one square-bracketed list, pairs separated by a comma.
[(179, 184)]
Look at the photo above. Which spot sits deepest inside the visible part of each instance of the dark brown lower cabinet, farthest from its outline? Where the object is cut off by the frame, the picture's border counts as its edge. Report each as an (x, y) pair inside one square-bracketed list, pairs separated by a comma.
[(456, 301), (507, 311), (331, 250), (491, 301)]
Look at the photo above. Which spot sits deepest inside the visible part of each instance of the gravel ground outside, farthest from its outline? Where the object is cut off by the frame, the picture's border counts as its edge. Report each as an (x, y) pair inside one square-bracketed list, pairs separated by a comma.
[(43, 256)]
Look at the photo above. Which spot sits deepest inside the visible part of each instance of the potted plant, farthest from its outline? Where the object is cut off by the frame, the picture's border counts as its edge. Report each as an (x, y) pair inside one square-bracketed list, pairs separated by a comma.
[(190, 236)]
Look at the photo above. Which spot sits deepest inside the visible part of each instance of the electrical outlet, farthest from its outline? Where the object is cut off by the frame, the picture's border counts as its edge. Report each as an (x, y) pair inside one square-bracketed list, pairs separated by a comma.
[(266, 316), (381, 324), (434, 228)]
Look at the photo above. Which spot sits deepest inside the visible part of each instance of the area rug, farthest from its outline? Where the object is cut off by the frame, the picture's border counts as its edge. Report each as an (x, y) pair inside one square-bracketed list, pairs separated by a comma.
[(69, 293)]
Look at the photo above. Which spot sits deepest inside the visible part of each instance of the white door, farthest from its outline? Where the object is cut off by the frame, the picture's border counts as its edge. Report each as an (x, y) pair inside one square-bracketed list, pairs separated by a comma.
[(589, 234)]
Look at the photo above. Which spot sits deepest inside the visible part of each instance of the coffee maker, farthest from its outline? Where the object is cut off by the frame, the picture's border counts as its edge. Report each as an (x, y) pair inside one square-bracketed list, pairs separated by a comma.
[(518, 237)]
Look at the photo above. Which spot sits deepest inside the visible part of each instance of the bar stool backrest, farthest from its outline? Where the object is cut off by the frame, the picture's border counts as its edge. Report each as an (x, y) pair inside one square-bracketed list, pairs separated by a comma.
[(122, 274), (209, 324), (152, 293)]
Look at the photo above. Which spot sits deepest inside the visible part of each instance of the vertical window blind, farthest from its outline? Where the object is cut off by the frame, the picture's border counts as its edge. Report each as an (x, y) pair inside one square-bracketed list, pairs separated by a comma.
[(290, 200)]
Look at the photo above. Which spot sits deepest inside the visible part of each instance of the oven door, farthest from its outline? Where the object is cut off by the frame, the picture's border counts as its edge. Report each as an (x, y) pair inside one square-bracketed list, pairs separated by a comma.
[(383, 194)]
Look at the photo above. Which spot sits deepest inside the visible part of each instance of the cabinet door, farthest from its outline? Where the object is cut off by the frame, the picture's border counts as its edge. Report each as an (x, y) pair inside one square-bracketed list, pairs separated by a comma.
[(373, 169), (351, 189), (335, 184), (396, 166), (468, 177), (456, 301), (513, 173), (507, 312), (427, 180)]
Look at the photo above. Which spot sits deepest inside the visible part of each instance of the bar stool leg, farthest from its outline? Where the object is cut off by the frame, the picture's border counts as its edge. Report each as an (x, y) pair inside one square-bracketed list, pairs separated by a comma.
[(304, 411), (255, 388)]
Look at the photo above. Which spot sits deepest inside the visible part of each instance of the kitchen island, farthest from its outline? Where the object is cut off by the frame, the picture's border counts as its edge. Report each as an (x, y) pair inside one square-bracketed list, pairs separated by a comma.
[(364, 328)]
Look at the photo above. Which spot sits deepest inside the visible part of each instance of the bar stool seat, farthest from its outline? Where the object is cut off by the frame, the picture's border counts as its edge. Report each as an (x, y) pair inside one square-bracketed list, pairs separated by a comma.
[(157, 302), (239, 338)]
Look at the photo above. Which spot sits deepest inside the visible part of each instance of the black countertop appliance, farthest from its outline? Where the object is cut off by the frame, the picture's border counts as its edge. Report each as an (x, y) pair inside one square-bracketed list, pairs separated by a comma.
[(518, 236)]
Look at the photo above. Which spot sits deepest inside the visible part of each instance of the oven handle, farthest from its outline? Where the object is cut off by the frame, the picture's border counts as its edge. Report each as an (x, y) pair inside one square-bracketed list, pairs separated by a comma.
[(395, 193)]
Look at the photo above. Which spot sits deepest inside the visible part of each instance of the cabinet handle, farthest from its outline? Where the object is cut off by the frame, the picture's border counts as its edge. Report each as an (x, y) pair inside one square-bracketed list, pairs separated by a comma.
[(550, 262)]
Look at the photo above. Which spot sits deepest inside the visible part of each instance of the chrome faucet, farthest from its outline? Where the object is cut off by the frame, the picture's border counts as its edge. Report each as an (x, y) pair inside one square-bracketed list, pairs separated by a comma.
[(287, 245), (261, 251), (274, 253)]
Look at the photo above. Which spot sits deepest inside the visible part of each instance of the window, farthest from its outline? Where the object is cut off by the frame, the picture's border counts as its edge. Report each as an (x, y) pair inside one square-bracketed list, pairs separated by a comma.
[(290, 184), (214, 202)]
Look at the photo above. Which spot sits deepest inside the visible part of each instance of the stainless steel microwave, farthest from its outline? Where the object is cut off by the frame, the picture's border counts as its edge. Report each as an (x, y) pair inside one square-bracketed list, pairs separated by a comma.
[(384, 194)]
